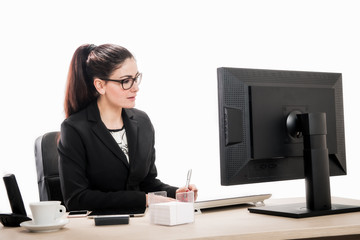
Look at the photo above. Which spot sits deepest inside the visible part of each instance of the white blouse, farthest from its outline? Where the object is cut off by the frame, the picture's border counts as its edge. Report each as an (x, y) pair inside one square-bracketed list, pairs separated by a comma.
[(120, 137)]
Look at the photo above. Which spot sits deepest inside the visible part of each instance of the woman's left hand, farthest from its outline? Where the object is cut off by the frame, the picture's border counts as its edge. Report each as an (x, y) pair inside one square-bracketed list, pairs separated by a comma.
[(191, 187)]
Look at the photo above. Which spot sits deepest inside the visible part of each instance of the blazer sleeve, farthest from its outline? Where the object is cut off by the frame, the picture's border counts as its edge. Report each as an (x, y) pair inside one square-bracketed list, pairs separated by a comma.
[(75, 184)]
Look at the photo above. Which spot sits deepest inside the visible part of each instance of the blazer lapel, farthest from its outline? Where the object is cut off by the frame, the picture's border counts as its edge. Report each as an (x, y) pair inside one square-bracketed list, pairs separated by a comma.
[(103, 133), (131, 128)]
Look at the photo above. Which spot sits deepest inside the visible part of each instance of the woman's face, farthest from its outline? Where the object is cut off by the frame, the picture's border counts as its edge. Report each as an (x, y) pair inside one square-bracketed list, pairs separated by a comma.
[(114, 93)]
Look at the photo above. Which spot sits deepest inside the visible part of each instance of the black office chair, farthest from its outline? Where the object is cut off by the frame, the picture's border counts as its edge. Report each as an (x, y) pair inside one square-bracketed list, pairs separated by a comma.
[(47, 158)]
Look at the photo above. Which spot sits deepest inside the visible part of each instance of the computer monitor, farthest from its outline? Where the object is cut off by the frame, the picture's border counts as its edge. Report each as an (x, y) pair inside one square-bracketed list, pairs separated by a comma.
[(282, 125)]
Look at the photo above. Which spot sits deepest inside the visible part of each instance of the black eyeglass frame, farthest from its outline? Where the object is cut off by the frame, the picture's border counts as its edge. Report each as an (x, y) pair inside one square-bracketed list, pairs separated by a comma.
[(136, 79)]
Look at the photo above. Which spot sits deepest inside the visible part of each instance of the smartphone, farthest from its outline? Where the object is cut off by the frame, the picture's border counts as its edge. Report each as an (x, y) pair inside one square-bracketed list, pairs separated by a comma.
[(78, 213)]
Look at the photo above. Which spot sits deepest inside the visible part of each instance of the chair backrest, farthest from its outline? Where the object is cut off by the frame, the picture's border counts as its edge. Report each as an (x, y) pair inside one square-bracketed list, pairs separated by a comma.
[(46, 159)]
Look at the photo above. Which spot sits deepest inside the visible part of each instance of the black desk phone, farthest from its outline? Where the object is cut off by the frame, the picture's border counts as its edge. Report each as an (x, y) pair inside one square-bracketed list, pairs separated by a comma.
[(18, 214)]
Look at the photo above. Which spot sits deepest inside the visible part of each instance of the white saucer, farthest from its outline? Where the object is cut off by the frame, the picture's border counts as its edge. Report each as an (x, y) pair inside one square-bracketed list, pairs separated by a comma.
[(31, 226)]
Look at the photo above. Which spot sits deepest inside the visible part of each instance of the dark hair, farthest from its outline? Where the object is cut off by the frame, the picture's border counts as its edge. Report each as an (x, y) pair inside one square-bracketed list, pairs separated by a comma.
[(90, 61)]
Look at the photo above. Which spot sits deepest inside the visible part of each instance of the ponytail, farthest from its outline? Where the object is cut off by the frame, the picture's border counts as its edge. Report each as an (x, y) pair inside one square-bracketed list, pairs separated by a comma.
[(79, 92), (90, 61)]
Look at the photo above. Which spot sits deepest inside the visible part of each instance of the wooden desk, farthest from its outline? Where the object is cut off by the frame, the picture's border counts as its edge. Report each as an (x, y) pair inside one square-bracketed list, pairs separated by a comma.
[(229, 223)]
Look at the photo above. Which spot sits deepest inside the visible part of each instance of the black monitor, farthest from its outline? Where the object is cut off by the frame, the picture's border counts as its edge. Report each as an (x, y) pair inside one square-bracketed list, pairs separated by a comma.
[(282, 125)]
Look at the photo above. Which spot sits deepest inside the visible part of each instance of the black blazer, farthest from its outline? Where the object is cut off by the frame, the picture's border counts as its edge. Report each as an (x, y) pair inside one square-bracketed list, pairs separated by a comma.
[(94, 172)]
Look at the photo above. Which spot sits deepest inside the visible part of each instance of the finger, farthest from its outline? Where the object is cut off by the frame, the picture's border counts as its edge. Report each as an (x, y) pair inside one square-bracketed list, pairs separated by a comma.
[(193, 187), (182, 189)]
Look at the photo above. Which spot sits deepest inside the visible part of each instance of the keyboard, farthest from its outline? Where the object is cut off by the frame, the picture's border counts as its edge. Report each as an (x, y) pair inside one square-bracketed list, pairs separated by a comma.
[(252, 199)]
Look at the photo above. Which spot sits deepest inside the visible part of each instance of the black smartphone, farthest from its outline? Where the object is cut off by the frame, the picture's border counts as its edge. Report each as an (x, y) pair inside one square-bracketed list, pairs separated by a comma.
[(78, 213)]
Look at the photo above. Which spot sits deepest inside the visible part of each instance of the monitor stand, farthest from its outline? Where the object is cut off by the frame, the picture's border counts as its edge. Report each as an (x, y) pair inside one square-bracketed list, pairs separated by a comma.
[(299, 210), (317, 174)]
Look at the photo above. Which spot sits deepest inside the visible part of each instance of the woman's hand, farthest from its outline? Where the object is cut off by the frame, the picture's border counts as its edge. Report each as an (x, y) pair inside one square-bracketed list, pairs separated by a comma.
[(157, 199), (191, 187)]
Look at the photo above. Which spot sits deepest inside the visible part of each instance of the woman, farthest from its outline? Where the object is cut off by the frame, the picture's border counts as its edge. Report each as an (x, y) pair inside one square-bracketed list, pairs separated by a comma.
[(106, 148)]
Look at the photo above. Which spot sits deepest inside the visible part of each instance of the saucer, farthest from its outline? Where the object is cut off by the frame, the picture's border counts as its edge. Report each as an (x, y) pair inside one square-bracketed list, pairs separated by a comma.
[(32, 227)]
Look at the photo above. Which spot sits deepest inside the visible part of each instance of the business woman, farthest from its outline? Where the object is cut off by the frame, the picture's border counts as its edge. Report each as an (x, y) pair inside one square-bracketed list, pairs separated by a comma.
[(106, 148)]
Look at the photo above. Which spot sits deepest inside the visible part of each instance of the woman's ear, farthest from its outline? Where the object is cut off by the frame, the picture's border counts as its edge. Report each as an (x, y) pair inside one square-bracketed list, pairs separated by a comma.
[(99, 85)]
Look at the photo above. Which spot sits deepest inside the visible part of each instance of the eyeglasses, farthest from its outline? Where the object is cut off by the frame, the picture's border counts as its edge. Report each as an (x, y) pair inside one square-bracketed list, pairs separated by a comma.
[(127, 83)]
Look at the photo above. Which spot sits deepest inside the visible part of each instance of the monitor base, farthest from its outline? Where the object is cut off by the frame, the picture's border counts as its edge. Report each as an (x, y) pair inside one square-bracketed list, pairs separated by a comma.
[(299, 210)]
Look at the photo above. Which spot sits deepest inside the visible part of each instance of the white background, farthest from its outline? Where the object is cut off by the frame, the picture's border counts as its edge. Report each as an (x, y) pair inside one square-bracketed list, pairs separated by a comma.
[(178, 45)]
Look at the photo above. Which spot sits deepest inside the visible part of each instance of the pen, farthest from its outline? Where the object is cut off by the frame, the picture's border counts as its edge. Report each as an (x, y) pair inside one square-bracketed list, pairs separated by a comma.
[(188, 178)]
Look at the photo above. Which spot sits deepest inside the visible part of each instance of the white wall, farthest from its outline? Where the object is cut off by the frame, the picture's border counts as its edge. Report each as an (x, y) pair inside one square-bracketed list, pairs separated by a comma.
[(179, 45)]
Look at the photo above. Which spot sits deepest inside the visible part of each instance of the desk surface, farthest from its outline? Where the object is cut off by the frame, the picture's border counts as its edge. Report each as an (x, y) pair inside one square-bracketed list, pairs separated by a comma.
[(229, 223)]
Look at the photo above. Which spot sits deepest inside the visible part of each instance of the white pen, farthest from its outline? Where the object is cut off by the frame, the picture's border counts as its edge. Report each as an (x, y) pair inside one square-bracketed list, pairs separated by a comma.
[(188, 178)]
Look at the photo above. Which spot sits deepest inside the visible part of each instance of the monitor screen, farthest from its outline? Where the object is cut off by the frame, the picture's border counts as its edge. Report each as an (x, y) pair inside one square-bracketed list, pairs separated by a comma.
[(261, 139)]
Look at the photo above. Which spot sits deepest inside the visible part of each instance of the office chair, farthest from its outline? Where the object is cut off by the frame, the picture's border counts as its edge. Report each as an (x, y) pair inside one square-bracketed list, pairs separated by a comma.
[(46, 159)]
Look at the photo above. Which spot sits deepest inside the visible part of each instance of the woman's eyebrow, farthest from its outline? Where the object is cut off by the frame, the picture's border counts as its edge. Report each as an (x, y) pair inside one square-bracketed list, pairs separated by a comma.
[(128, 76)]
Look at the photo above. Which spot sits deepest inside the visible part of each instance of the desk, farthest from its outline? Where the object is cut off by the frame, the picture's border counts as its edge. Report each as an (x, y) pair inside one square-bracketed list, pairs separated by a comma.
[(228, 223)]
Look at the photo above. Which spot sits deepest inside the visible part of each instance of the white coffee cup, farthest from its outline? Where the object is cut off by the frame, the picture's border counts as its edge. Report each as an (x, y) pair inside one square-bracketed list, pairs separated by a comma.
[(47, 212)]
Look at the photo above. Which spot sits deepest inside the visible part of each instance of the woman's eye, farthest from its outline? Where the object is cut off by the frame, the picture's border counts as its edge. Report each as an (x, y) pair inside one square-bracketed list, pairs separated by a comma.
[(125, 81)]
